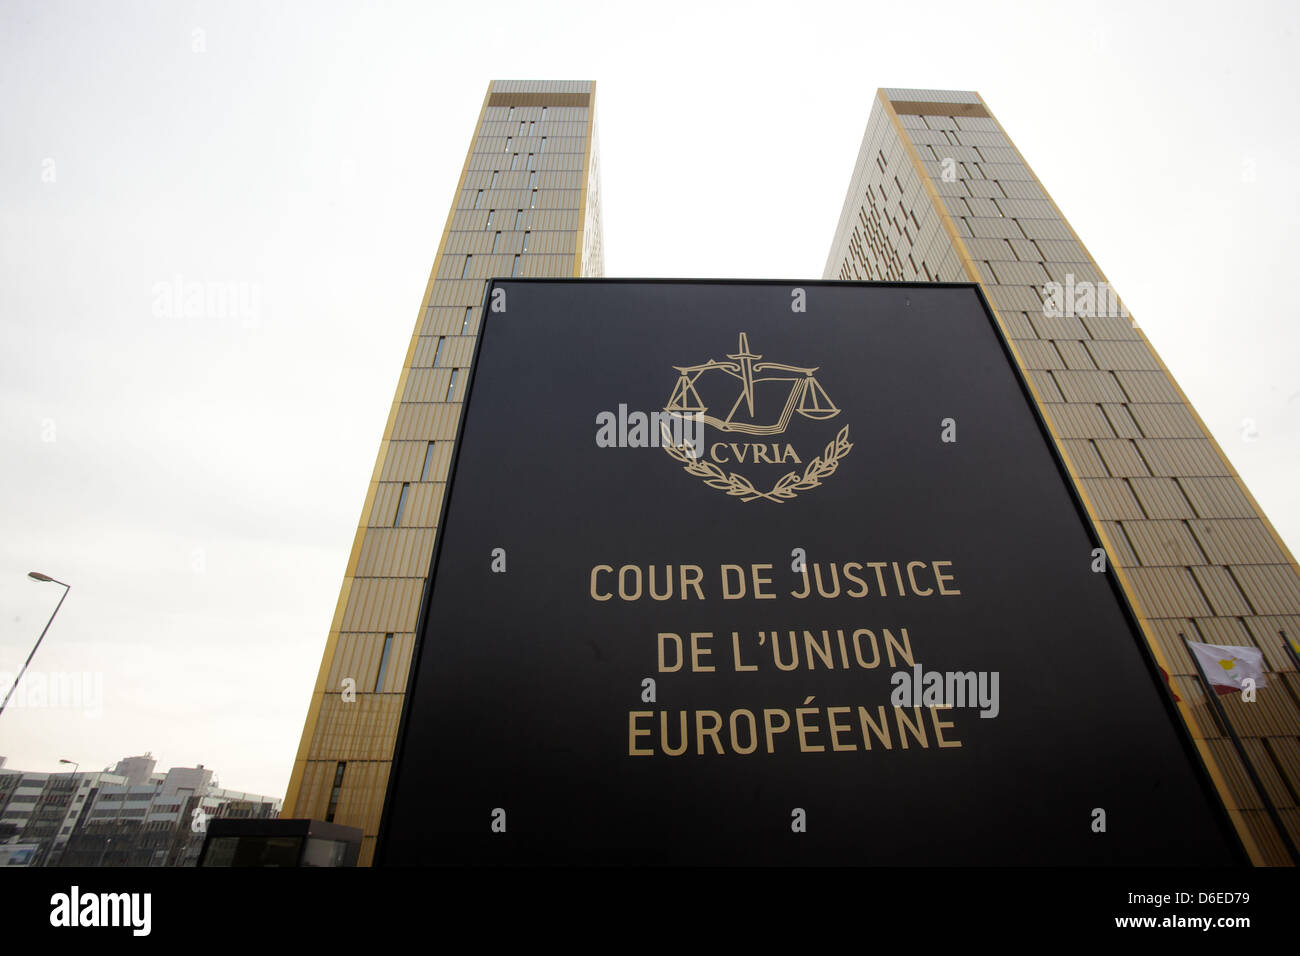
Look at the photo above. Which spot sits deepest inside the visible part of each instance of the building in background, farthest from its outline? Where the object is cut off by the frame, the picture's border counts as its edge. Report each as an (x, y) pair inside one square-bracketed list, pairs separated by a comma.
[(527, 204), (156, 819), (129, 816), (940, 193), (42, 810)]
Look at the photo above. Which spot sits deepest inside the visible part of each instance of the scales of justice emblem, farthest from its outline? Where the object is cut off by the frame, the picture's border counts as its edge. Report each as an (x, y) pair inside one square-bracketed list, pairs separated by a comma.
[(746, 396)]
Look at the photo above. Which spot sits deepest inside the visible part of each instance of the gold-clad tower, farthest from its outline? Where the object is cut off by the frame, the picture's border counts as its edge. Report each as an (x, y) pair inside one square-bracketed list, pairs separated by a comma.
[(527, 204), (940, 193)]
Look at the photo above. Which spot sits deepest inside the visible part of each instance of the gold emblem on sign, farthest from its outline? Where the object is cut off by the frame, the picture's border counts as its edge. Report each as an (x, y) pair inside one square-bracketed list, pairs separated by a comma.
[(746, 396)]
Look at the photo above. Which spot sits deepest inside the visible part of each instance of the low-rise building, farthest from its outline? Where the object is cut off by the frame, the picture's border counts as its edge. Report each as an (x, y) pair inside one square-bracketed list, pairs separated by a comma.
[(43, 809), (127, 816)]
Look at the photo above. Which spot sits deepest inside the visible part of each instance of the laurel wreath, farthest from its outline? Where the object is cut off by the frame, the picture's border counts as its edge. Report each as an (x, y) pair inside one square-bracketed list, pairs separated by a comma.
[(737, 485)]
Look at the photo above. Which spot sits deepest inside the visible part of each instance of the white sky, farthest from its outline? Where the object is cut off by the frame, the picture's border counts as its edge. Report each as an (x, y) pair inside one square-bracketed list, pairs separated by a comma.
[(206, 474)]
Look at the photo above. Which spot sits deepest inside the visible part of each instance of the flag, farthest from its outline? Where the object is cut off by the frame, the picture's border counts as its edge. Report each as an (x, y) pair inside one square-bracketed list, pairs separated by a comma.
[(1165, 674), (1226, 667)]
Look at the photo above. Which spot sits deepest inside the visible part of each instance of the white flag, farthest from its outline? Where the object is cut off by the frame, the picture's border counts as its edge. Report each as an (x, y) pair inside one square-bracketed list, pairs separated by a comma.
[(1226, 667)]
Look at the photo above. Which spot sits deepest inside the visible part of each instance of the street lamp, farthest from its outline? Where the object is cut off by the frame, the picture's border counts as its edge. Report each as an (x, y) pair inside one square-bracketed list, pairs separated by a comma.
[(36, 576), (76, 785)]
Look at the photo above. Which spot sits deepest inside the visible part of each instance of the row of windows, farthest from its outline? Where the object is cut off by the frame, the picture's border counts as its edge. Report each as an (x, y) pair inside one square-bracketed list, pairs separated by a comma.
[(505, 138), (565, 124), (554, 113), (532, 200), (514, 268), (511, 115), (519, 213), (496, 173), (886, 259), (541, 150), (873, 218), (514, 164), (496, 242), (427, 468)]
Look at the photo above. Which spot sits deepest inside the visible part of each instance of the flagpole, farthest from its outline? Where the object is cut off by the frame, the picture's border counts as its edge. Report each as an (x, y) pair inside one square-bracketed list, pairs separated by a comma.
[(1213, 697)]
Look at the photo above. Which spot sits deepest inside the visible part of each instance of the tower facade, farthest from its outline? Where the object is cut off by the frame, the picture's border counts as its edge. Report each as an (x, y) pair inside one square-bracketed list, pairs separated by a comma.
[(527, 204), (940, 193)]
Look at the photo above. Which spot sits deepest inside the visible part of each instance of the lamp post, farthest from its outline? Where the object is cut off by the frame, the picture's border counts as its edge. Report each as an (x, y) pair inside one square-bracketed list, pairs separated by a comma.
[(36, 576), (76, 785)]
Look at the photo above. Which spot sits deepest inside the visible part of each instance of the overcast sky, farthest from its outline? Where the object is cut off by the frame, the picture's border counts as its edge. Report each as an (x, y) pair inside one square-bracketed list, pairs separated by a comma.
[(198, 478)]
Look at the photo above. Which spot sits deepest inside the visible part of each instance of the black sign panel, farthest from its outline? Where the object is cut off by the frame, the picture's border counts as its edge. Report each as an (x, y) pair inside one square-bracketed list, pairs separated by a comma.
[(756, 573)]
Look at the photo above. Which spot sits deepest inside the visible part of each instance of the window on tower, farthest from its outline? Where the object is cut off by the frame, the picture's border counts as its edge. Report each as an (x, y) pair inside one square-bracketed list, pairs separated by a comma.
[(383, 663), (335, 791), (401, 504)]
